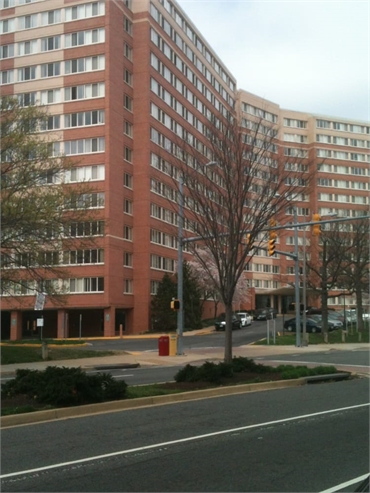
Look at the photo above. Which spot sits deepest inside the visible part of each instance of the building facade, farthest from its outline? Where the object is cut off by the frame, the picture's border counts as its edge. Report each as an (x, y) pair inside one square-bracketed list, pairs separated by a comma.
[(122, 82)]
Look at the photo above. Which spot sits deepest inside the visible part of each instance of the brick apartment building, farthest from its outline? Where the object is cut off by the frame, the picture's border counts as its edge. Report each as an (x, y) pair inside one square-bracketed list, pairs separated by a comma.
[(122, 80)]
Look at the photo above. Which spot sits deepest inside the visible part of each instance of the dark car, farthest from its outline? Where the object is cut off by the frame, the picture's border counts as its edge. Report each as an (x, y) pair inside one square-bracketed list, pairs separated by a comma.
[(311, 325), (220, 324), (265, 314)]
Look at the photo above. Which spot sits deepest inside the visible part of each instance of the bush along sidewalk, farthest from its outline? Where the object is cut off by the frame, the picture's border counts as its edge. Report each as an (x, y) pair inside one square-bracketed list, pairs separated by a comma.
[(33, 390)]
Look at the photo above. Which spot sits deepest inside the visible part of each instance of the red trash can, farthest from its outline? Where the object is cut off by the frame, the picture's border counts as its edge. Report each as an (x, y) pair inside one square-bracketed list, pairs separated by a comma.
[(163, 346)]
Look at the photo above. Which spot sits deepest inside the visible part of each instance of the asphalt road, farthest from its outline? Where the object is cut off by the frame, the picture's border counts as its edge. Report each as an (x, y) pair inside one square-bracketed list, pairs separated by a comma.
[(309, 438)]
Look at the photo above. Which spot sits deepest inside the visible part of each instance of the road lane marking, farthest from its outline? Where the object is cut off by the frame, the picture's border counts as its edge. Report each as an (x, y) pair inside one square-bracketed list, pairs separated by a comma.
[(313, 363), (180, 440), (339, 487)]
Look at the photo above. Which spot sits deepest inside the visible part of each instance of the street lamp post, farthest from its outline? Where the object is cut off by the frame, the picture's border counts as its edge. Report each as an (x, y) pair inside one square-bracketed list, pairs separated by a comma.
[(180, 293), (297, 301)]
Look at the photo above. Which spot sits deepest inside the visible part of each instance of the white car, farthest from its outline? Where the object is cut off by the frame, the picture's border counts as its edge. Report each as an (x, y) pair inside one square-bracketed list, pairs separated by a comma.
[(245, 318)]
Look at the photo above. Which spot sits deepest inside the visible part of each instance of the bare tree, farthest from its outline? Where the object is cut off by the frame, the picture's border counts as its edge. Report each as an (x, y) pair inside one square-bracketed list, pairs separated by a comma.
[(234, 187), (329, 259), (38, 207), (355, 276)]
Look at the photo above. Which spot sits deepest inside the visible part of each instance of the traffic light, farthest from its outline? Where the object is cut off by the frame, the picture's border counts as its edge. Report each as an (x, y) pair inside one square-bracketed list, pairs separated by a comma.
[(271, 243), (247, 239), (316, 229), (175, 305)]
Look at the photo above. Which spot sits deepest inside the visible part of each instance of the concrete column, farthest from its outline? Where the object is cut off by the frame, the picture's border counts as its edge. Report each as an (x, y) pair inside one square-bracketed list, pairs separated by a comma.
[(109, 322), (62, 330), (15, 325)]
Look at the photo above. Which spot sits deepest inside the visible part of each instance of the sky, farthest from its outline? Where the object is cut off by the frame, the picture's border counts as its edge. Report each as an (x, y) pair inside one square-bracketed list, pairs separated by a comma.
[(310, 56)]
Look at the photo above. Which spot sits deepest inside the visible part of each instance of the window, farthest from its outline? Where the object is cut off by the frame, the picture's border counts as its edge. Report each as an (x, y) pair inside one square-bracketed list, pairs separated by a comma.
[(128, 128), (51, 96), (7, 26), (127, 233), (26, 73), (27, 21), (7, 76), (84, 146), (128, 207), (128, 77), (84, 11), (51, 123), (128, 102), (7, 51), (127, 259), (128, 286), (127, 181), (85, 37), (50, 69), (27, 99), (127, 51), (93, 228), (87, 64), (86, 285), (85, 91), (154, 286), (127, 26), (51, 17), (49, 44), (128, 154), (85, 118)]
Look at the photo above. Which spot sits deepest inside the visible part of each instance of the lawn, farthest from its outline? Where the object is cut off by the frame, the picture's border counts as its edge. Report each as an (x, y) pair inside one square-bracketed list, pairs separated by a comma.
[(334, 337), (24, 354)]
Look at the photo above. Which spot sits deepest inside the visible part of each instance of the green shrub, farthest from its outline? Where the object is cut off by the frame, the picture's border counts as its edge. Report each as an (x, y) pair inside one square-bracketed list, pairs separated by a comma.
[(65, 386), (242, 364), (186, 374)]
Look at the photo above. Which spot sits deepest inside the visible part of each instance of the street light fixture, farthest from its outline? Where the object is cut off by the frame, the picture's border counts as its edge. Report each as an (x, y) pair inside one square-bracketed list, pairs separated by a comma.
[(180, 274)]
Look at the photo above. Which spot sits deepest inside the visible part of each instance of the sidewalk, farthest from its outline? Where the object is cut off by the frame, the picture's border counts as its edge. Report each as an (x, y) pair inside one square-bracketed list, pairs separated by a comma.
[(127, 359)]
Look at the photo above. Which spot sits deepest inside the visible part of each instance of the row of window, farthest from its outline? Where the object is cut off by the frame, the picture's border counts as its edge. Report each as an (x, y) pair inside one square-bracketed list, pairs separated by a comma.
[(6, 4), (164, 239), (178, 129), (52, 43), (344, 141), (50, 17), (351, 156), (71, 93), (349, 199), (194, 38), (184, 69), (186, 93), (53, 69), (87, 201), (162, 263), (344, 127), (348, 170), (356, 185), (180, 109), (170, 217), (342, 212), (86, 228), (258, 112), (73, 257)]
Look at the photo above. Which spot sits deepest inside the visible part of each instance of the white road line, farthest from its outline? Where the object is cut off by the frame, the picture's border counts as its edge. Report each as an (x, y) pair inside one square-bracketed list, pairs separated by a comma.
[(314, 363), (347, 483), (181, 440)]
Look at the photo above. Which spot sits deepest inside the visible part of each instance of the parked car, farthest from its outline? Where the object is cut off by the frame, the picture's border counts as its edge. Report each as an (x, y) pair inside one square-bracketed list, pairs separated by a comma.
[(220, 324), (245, 318), (265, 314), (333, 323), (311, 325)]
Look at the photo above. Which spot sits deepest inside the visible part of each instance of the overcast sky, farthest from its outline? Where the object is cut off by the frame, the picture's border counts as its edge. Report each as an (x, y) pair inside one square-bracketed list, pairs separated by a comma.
[(311, 56)]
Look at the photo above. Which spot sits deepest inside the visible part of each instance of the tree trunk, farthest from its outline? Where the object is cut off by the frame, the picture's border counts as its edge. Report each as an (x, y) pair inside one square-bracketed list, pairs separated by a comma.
[(228, 334), (359, 311)]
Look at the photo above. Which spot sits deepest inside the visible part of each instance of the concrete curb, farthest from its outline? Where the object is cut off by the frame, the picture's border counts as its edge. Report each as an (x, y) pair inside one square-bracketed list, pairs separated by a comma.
[(116, 406)]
